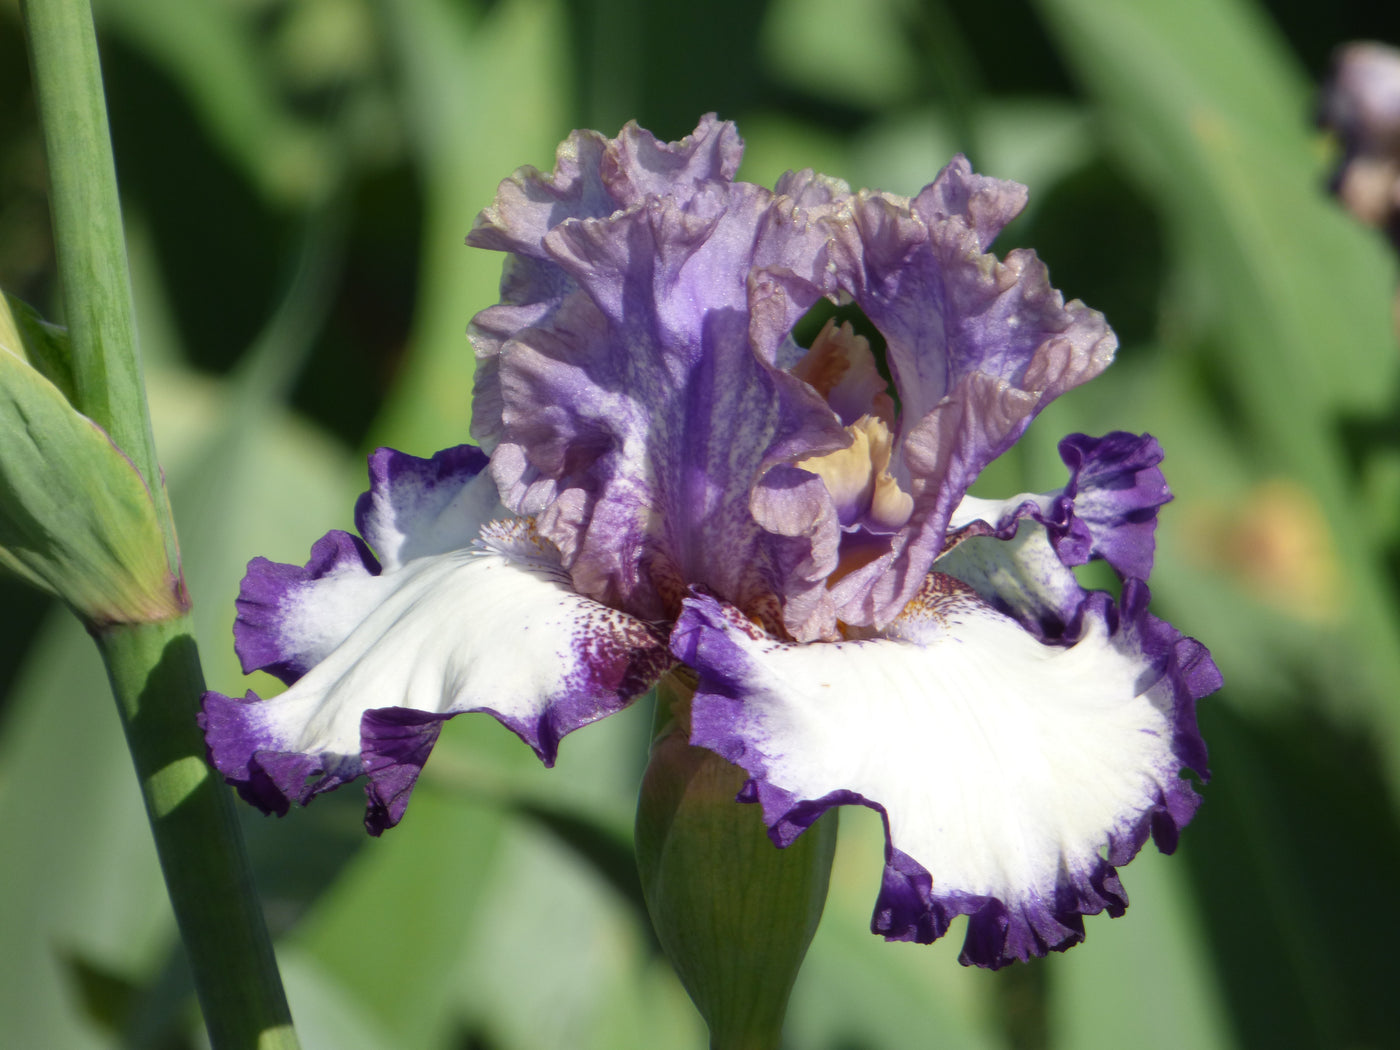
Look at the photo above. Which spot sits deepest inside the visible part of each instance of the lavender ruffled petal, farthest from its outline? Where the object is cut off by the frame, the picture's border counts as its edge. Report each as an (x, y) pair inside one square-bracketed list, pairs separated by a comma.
[(593, 177), (1013, 777), (978, 346), (640, 419)]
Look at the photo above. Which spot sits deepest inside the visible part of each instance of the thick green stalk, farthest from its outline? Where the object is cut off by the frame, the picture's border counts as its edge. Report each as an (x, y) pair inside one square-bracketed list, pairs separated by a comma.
[(87, 227), (156, 678), (153, 667)]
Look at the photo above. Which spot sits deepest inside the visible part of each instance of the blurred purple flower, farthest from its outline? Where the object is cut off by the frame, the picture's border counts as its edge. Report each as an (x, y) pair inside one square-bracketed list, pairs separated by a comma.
[(1361, 103)]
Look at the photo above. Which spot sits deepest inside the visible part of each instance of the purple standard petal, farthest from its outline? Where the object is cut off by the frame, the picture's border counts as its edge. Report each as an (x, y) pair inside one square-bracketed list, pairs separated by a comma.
[(593, 177), (639, 420), (1115, 489), (977, 346), (494, 628), (1013, 777)]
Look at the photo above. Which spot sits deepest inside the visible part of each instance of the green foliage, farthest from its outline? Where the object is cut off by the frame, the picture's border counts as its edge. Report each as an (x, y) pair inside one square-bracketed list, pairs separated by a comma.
[(76, 518)]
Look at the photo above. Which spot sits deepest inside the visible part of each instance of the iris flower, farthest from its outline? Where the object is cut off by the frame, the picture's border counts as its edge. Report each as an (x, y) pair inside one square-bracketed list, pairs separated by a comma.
[(665, 480), (1360, 103)]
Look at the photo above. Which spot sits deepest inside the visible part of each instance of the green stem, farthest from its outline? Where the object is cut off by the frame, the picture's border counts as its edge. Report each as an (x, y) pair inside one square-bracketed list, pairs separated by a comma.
[(153, 667), (156, 678), (87, 226)]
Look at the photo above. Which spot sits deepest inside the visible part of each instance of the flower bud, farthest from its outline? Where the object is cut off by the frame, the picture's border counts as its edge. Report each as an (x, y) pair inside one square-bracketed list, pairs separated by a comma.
[(76, 518), (734, 913)]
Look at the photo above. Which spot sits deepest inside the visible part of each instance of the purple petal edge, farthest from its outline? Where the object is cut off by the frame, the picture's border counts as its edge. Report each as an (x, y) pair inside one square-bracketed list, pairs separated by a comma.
[(908, 908), (1107, 510), (1115, 489), (269, 779), (402, 486), (266, 588), (396, 742)]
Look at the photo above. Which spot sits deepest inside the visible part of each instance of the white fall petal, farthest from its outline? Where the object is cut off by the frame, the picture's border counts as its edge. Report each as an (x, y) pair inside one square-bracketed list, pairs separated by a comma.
[(1005, 768)]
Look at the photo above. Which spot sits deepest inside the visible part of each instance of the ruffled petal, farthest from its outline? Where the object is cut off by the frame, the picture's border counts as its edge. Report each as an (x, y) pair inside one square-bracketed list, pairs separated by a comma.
[(1108, 510), (1116, 488), (1021, 576), (274, 631), (639, 420), (1013, 777), (292, 617), (638, 165), (495, 628), (978, 346), (593, 177), (419, 507)]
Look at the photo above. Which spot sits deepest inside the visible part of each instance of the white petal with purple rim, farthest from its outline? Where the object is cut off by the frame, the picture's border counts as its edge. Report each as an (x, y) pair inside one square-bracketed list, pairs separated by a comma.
[(1004, 766), (291, 617), (419, 507), (496, 628)]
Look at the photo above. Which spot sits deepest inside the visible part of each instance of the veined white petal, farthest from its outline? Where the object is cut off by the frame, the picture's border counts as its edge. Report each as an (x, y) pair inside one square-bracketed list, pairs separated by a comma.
[(290, 618)]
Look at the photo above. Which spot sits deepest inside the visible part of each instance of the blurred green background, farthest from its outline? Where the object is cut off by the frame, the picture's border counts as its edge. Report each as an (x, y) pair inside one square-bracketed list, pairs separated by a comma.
[(299, 176)]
